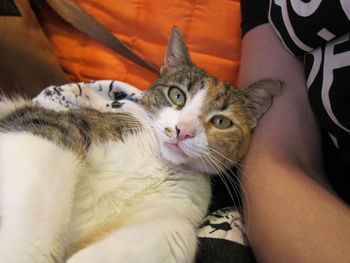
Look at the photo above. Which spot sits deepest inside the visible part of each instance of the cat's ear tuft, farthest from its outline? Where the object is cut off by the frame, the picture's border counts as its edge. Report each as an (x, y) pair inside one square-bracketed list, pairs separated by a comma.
[(260, 94), (177, 54)]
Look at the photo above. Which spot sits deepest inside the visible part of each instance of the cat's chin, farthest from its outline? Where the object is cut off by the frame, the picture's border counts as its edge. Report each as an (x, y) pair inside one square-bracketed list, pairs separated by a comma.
[(176, 156)]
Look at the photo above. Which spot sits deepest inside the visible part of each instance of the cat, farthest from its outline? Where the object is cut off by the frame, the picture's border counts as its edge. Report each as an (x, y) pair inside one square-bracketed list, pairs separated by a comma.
[(129, 185)]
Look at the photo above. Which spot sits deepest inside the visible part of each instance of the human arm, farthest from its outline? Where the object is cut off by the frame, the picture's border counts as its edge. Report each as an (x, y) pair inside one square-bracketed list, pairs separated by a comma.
[(291, 214)]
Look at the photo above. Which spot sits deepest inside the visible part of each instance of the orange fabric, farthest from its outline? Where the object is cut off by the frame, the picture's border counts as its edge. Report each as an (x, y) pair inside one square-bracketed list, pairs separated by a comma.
[(211, 29)]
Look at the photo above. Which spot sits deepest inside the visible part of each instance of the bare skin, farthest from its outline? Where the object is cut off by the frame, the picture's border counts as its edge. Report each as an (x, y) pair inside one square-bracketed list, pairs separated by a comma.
[(291, 213)]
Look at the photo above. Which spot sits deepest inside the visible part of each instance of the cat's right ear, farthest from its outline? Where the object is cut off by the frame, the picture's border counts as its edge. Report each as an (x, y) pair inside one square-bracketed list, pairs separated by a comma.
[(260, 94), (177, 54)]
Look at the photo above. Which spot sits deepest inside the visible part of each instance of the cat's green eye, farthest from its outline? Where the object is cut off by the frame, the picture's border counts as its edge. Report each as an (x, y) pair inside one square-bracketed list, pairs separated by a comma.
[(177, 96), (221, 122)]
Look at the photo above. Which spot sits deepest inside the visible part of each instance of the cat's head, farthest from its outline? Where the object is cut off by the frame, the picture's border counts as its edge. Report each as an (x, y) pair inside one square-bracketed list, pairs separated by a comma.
[(200, 121)]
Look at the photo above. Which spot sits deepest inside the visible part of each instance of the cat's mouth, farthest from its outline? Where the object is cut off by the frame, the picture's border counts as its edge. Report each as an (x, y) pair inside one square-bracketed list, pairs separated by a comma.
[(175, 147)]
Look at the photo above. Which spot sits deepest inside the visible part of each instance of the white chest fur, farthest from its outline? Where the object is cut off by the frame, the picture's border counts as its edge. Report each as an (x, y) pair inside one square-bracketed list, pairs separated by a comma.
[(124, 180), (51, 201)]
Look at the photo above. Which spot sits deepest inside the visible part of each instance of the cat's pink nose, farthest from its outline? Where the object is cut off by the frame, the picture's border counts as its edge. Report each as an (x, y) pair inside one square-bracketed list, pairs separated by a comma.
[(185, 131)]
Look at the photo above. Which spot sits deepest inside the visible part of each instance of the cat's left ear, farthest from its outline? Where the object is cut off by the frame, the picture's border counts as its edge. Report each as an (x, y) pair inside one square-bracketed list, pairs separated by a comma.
[(260, 95), (177, 54)]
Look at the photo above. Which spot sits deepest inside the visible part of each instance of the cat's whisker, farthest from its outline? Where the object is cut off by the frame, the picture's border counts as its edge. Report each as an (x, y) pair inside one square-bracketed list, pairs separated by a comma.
[(234, 163), (238, 165), (222, 155), (227, 173), (219, 173), (240, 186), (203, 164), (225, 168), (216, 167)]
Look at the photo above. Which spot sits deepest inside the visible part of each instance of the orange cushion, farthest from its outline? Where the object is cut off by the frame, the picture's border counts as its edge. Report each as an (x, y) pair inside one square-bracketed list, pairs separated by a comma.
[(211, 29)]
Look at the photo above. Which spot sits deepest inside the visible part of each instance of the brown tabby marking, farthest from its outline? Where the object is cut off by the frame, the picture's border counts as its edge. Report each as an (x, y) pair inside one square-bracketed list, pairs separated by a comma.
[(233, 142), (75, 129)]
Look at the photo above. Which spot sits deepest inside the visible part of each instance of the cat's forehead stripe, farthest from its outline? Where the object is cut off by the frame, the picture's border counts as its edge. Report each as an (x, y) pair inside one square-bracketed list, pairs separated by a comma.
[(216, 89), (193, 85), (190, 85), (202, 84), (219, 95), (227, 99)]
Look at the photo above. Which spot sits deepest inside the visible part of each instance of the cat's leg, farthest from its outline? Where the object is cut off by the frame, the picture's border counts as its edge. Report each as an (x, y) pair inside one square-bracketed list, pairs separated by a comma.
[(163, 239), (36, 191)]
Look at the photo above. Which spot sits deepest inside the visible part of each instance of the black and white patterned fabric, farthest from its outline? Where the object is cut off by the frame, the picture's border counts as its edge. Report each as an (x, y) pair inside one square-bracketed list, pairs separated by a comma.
[(221, 235), (103, 95), (225, 223), (222, 238), (317, 31)]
